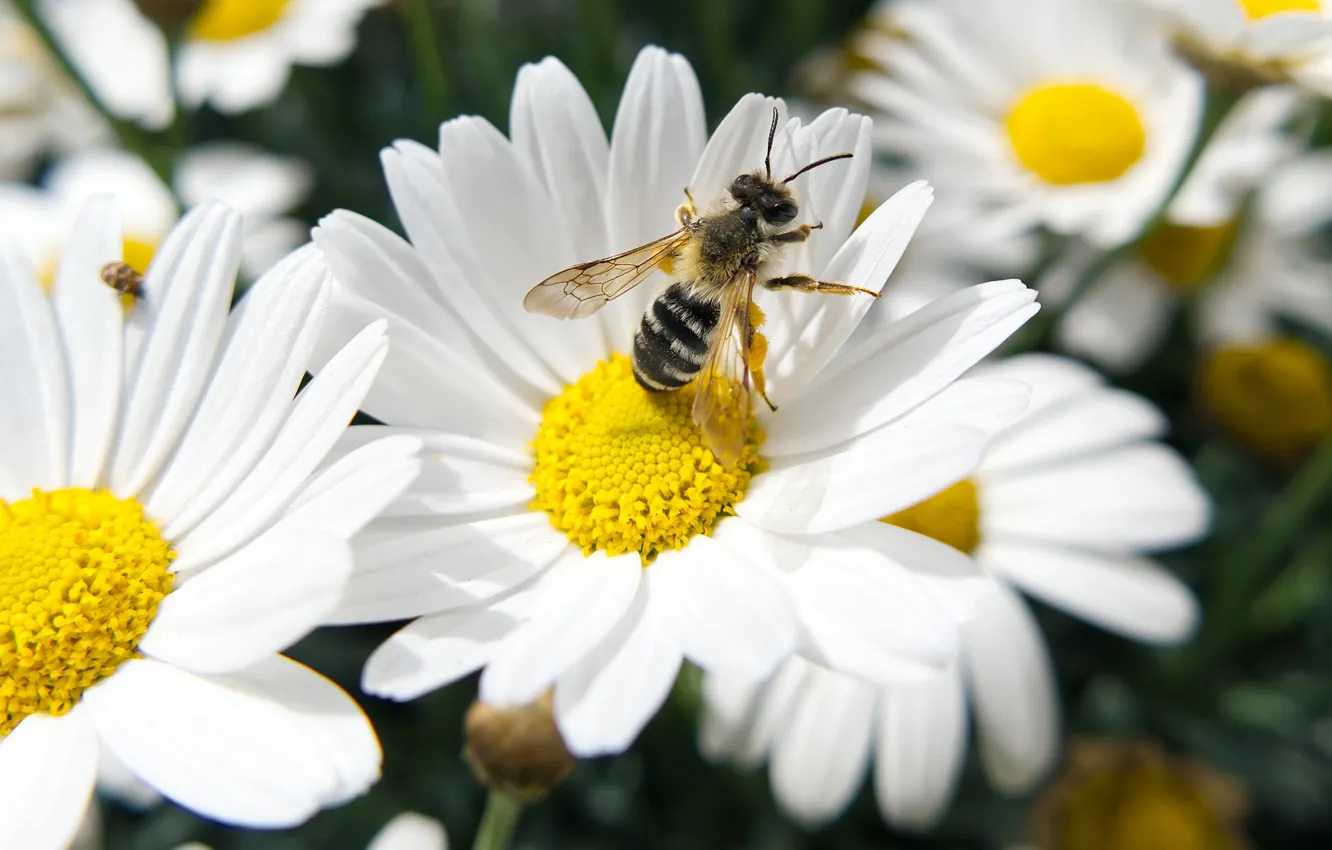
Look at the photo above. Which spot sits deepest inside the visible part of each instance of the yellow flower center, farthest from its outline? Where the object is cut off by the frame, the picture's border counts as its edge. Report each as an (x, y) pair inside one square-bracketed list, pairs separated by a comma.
[(950, 516), (228, 20), (1070, 133), (1256, 9), (1185, 255), (1275, 397), (622, 469), (1141, 808), (81, 574)]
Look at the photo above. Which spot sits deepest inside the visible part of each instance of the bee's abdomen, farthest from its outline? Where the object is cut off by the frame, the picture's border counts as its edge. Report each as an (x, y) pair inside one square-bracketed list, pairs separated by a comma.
[(673, 338)]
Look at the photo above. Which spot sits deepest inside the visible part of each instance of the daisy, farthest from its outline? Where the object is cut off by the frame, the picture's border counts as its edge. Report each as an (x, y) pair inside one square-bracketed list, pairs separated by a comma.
[(1062, 506), (160, 453), (1253, 41), (261, 186), (1124, 317), (40, 109), (236, 54), (528, 547), (1070, 115)]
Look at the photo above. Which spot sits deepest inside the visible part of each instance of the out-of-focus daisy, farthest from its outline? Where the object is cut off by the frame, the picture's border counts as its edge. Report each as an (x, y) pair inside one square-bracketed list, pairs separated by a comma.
[(1072, 115), (166, 529), (261, 186), (236, 54), (1131, 795), (1123, 318), (40, 108), (1062, 506), (598, 561), (1253, 41)]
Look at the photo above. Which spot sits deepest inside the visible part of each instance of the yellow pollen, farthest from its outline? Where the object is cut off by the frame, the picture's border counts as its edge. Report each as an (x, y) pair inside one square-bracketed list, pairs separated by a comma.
[(1275, 397), (1070, 133), (1140, 808), (228, 20), (950, 516), (1186, 256), (622, 469), (81, 575), (1256, 9)]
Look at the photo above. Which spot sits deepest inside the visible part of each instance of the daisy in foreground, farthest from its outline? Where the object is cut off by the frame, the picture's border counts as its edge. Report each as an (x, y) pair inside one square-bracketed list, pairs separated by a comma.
[(236, 54), (1071, 115), (1061, 506), (166, 530), (570, 529)]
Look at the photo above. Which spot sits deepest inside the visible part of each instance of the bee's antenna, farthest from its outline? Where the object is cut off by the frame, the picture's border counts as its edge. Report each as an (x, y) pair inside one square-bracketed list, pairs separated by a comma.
[(816, 163), (767, 157)]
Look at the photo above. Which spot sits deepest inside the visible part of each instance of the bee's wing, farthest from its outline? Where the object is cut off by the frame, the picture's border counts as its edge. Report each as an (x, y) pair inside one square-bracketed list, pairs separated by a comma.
[(723, 401), (584, 289)]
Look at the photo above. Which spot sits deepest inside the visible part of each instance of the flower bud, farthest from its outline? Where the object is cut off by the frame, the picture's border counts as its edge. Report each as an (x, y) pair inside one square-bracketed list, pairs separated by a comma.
[(169, 15), (517, 751)]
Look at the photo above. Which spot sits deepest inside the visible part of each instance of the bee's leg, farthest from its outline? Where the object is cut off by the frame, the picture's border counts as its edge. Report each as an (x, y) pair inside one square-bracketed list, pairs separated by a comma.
[(688, 211), (805, 283), (800, 234)]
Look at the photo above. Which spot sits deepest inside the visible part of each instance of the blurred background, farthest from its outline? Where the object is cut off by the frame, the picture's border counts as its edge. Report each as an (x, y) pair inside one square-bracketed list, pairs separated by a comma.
[(1250, 696)]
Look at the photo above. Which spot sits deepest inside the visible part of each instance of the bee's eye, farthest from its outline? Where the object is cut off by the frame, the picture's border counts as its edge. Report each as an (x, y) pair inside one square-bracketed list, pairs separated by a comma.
[(780, 212)]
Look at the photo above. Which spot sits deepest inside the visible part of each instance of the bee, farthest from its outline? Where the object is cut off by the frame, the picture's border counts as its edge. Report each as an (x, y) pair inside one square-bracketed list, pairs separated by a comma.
[(123, 279), (704, 326)]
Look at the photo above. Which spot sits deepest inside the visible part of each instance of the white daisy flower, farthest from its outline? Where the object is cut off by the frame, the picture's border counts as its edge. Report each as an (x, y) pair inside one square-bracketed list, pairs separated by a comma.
[(161, 454), (1061, 506), (1267, 39), (1059, 113), (1124, 317), (40, 108), (237, 54), (261, 186), (537, 564)]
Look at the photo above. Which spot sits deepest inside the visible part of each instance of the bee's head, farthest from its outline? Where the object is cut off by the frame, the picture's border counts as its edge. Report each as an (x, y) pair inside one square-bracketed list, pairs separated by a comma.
[(775, 203)]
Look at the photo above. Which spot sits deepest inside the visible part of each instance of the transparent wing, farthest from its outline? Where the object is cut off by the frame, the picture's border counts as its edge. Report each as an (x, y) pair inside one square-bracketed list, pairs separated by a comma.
[(723, 402), (584, 289)]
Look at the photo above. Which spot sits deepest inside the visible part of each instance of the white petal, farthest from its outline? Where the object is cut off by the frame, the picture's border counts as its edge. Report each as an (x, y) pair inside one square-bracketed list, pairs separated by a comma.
[(262, 748), (410, 831), (431, 652), (893, 370), (1138, 497), (821, 752), (1133, 596), (34, 419), (171, 339), (414, 566), (888, 469), (921, 748), (47, 768), (348, 494), (90, 315), (605, 700), (256, 602), (1121, 320), (860, 612), (737, 145), (581, 599), (727, 615), (740, 719), (950, 576), (1013, 689), (865, 260), (316, 419), (261, 362)]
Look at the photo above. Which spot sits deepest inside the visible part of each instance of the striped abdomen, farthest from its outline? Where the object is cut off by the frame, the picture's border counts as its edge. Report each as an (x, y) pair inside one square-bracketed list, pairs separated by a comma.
[(673, 338)]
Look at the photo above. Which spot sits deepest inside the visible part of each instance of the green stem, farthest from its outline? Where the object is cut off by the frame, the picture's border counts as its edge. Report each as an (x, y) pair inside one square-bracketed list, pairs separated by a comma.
[(430, 76), (497, 822), (130, 136), (1040, 328)]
